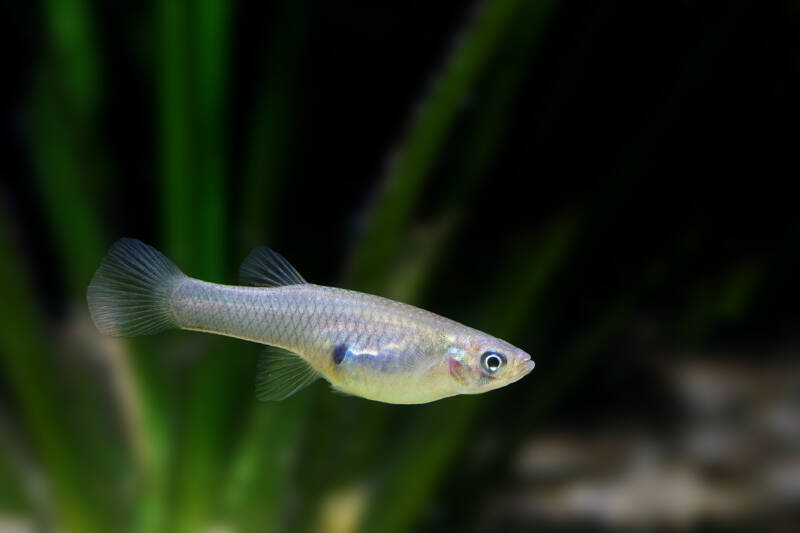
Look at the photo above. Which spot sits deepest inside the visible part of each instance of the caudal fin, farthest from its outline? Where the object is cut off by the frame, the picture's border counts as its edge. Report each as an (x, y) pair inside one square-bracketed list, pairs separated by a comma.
[(129, 293)]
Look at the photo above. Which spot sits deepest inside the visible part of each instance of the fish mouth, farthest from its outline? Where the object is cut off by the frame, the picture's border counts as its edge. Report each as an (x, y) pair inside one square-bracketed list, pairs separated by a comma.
[(526, 363), (527, 366)]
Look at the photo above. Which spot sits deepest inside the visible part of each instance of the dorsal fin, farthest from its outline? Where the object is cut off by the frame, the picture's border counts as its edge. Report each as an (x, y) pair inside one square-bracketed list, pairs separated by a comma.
[(267, 268), (281, 373)]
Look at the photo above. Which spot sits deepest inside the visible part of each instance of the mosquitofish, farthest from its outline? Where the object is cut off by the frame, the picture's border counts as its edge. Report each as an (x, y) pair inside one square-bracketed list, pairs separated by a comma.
[(363, 345)]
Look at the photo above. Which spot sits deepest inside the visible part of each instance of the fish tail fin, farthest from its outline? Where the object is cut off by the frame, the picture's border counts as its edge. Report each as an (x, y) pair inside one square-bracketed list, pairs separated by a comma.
[(129, 293)]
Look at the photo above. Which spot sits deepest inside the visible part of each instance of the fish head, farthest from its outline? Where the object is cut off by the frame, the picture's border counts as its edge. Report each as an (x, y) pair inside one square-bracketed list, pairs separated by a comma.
[(478, 363)]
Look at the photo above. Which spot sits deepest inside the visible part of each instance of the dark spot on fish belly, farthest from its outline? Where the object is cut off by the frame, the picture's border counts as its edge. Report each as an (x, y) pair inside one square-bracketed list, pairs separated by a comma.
[(338, 353)]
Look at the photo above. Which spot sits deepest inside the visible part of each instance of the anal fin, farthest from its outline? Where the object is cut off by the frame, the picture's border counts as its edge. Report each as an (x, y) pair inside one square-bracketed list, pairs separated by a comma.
[(281, 373)]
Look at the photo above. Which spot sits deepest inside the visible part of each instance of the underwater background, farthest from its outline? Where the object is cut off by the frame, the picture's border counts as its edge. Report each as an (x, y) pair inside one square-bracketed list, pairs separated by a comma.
[(603, 184)]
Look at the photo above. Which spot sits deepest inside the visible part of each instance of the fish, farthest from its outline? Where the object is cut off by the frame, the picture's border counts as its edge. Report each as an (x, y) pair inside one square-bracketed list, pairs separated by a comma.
[(363, 345)]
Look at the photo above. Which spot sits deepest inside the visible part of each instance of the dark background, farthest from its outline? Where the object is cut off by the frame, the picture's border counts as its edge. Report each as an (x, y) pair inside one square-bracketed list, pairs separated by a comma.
[(609, 188)]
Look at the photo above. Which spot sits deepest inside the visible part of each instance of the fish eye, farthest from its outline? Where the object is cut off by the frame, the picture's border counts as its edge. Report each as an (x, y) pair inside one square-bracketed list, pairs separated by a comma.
[(492, 361)]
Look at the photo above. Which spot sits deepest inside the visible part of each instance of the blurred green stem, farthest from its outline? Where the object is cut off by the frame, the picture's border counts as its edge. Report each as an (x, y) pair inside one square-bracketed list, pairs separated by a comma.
[(71, 174), (177, 197), (194, 47), (273, 127), (389, 216), (30, 372)]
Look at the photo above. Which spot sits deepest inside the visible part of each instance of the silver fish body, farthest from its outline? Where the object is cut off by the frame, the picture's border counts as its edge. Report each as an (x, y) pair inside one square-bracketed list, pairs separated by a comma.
[(362, 344)]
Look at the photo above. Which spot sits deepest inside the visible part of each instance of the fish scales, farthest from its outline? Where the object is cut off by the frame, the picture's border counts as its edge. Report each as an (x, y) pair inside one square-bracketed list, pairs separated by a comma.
[(312, 320), (300, 317)]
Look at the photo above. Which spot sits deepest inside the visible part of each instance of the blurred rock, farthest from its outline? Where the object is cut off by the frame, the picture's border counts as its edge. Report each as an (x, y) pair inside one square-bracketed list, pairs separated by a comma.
[(731, 458)]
